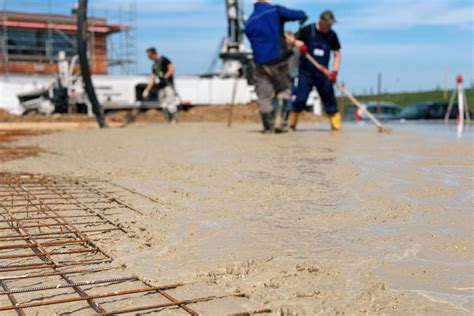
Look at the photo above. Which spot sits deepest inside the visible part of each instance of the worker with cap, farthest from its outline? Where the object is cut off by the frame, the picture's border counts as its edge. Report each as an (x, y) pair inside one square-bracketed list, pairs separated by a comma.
[(319, 40), (265, 31), (163, 70)]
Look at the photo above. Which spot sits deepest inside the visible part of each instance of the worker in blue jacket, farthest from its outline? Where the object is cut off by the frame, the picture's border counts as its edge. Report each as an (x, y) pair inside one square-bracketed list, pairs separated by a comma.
[(265, 31), (320, 41)]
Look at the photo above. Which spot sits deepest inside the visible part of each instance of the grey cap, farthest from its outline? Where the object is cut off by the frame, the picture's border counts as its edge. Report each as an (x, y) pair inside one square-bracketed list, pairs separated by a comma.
[(328, 16)]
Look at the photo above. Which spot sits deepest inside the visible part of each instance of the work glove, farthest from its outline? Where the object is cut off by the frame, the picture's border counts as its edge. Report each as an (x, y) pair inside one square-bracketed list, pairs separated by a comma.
[(304, 50), (333, 76), (327, 73), (303, 20), (145, 94)]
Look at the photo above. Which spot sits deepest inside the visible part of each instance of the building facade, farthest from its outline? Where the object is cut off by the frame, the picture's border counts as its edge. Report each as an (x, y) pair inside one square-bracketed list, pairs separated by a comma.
[(30, 43)]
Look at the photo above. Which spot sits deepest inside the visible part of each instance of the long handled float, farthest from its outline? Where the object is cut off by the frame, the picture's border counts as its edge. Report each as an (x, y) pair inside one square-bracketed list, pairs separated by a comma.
[(380, 127)]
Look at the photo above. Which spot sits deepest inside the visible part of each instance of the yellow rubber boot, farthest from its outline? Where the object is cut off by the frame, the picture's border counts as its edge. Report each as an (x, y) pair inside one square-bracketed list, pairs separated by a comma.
[(336, 122), (293, 120)]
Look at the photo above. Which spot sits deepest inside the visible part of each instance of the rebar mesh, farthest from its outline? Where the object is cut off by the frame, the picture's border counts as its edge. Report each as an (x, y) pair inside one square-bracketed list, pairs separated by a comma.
[(49, 259)]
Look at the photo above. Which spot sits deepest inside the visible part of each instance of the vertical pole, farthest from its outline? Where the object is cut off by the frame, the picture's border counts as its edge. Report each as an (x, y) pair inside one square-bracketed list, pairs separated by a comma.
[(461, 103), (136, 38), (232, 104), (82, 41), (122, 48), (460, 106), (5, 52), (379, 93), (92, 48), (50, 44)]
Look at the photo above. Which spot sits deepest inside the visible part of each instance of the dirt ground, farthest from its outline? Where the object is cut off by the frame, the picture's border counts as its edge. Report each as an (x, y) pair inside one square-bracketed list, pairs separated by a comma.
[(304, 223), (241, 113)]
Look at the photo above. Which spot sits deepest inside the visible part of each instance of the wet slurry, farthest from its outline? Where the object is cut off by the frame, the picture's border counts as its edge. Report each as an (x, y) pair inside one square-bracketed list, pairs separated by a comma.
[(308, 222), (425, 244)]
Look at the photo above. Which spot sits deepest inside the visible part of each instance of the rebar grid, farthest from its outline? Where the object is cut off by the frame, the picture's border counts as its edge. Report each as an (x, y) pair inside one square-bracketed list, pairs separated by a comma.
[(44, 227)]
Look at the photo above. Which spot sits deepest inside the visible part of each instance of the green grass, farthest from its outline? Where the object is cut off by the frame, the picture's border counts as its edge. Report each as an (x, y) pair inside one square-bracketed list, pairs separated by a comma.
[(405, 99)]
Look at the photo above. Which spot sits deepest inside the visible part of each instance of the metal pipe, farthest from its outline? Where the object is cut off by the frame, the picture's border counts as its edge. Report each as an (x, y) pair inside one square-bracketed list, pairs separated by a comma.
[(82, 38)]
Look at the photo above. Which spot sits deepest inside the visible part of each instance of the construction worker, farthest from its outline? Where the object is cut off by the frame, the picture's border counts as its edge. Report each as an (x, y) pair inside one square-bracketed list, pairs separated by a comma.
[(265, 31), (319, 40), (163, 70)]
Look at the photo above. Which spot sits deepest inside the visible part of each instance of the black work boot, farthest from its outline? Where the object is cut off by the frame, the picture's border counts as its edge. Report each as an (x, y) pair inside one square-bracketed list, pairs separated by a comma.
[(167, 115), (267, 121), (173, 118), (280, 116), (278, 123)]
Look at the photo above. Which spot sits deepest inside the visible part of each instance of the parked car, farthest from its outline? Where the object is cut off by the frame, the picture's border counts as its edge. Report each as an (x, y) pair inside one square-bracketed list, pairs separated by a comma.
[(382, 110), (428, 111), (350, 112)]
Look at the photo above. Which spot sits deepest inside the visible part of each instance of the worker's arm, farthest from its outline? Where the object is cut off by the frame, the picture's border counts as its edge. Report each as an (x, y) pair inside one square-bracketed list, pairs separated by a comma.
[(292, 15), (170, 72), (304, 50), (336, 66), (149, 86), (337, 60)]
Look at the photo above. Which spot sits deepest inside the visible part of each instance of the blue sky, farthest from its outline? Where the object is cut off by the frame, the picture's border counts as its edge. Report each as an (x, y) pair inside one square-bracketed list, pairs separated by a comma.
[(411, 42)]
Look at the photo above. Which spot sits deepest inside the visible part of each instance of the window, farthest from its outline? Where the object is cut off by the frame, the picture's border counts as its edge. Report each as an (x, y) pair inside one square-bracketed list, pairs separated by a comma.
[(28, 43), (34, 45)]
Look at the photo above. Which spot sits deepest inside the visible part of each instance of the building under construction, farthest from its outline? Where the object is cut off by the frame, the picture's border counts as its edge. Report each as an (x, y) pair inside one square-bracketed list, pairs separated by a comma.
[(30, 42)]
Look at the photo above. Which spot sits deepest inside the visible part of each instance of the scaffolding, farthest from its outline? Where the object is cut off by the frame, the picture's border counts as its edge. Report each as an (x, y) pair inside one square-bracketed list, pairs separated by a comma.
[(114, 52)]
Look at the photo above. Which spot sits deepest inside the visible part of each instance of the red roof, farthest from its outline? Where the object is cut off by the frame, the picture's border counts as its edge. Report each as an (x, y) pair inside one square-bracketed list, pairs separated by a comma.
[(65, 23)]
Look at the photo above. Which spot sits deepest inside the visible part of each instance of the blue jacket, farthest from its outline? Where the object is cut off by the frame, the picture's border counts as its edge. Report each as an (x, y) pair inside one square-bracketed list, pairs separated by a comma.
[(265, 31)]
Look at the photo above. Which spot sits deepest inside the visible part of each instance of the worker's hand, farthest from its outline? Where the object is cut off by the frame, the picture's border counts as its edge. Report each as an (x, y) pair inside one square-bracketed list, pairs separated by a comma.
[(303, 49), (166, 81), (303, 20), (326, 72), (145, 94), (333, 76)]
